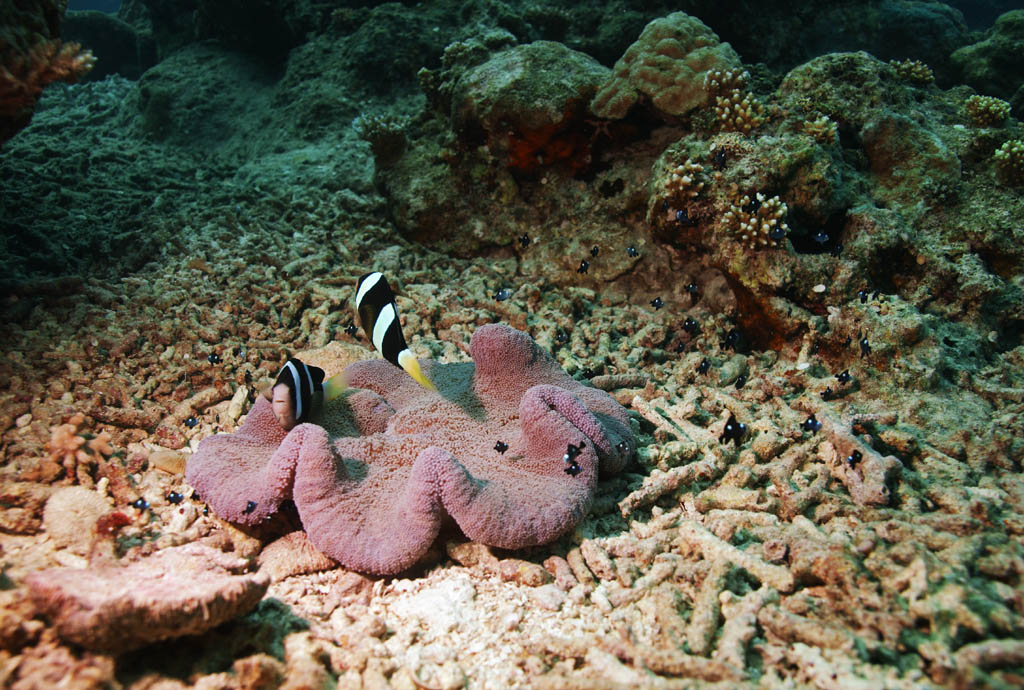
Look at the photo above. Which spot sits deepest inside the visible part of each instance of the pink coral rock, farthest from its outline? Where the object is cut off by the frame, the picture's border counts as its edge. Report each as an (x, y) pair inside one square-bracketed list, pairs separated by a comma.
[(373, 482), (183, 590)]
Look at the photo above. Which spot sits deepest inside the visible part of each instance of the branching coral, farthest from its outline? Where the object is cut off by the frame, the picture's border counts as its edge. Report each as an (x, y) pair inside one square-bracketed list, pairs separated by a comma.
[(1009, 162), (913, 71), (986, 111), (682, 181), (758, 222), (823, 129), (23, 76), (385, 134), (77, 452), (737, 110)]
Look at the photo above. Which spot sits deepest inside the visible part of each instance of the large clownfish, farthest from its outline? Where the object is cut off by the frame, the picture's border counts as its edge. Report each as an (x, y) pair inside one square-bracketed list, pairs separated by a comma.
[(300, 389)]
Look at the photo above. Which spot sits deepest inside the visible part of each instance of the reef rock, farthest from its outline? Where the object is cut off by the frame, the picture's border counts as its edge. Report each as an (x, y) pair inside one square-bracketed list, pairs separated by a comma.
[(390, 462), (183, 590)]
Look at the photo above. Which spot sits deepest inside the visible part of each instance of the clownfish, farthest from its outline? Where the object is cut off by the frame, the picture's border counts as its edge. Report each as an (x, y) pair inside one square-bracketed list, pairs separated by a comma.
[(301, 389), (299, 392), (378, 313)]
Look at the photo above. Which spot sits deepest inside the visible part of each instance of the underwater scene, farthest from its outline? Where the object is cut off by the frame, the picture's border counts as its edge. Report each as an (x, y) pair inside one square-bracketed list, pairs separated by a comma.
[(511, 344)]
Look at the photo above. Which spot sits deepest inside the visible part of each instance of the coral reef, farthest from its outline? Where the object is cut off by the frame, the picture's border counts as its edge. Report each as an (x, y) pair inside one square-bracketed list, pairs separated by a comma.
[(373, 484), (826, 487)]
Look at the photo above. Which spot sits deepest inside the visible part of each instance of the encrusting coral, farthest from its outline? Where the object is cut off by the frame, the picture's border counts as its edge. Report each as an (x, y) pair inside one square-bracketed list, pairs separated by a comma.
[(373, 484)]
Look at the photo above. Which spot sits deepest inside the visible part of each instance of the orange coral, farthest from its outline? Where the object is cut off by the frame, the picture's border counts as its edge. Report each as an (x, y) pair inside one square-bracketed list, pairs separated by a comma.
[(23, 76), (76, 453)]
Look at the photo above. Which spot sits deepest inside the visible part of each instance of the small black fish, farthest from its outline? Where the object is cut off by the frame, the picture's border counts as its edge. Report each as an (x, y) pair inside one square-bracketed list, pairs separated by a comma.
[(632, 252), (844, 376), (854, 458), (821, 237), (175, 497), (584, 266), (501, 446), (502, 294), (594, 250), (691, 326), (573, 469), (249, 507), (571, 453), (811, 424), (683, 218), (213, 358), (704, 366), (657, 303), (741, 381), (524, 241), (141, 504), (352, 329), (734, 430), (865, 348), (191, 422)]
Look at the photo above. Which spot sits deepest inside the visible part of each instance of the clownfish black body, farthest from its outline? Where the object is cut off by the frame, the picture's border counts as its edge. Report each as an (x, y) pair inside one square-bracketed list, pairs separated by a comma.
[(378, 313)]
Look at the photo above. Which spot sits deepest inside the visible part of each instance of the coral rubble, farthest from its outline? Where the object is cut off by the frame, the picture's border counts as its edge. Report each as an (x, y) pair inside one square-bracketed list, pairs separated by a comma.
[(775, 249)]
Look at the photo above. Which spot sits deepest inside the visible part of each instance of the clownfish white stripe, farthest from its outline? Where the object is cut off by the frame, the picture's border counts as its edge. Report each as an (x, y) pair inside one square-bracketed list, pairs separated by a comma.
[(304, 382), (366, 284), (385, 318), (297, 399)]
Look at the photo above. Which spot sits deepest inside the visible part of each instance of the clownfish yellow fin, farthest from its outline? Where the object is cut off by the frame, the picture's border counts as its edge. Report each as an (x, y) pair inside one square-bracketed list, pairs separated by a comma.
[(334, 386), (407, 360)]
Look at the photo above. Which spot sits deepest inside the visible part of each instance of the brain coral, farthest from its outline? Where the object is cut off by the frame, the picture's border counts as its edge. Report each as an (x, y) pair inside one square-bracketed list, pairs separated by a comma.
[(667, 65), (391, 461)]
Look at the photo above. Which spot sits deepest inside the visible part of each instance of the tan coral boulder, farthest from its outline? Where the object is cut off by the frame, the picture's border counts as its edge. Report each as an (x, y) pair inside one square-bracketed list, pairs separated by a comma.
[(666, 67)]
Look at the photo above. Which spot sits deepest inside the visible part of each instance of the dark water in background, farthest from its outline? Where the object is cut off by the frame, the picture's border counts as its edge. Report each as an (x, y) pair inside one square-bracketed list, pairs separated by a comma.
[(110, 6)]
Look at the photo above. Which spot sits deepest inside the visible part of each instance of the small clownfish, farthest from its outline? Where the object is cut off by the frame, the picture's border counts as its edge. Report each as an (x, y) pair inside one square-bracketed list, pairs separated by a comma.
[(378, 313), (300, 391)]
